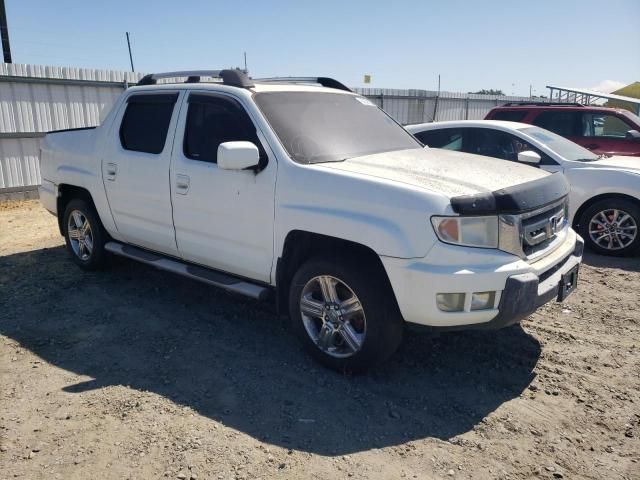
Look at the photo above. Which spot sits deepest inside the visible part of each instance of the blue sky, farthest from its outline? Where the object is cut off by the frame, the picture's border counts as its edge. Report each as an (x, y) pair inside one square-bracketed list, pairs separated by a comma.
[(501, 44)]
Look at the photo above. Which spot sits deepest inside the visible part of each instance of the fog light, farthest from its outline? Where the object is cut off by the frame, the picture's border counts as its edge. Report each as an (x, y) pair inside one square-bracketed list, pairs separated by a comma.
[(483, 300), (450, 302)]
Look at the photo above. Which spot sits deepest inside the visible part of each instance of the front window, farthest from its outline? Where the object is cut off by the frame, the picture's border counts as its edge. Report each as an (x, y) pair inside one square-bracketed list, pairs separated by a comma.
[(560, 145), (331, 127), (604, 125)]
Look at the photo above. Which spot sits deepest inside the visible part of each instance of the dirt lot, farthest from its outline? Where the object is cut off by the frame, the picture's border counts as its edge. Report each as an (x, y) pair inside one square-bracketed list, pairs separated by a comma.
[(135, 373)]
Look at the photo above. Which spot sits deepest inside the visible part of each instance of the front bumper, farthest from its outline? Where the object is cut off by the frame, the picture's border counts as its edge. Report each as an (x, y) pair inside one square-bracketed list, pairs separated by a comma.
[(523, 294), (520, 287)]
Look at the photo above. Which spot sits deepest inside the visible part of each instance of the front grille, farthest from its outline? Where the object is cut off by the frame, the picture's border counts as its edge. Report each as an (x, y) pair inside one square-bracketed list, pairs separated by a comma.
[(539, 230), (533, 234)]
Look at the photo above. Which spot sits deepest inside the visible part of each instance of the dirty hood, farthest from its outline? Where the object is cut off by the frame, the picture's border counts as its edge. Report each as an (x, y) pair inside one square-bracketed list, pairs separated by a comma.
[(442, 171)]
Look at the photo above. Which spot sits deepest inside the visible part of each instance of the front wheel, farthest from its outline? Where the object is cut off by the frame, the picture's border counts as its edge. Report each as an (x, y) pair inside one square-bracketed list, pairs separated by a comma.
[(610, 227), (84, 235), (344, 314)]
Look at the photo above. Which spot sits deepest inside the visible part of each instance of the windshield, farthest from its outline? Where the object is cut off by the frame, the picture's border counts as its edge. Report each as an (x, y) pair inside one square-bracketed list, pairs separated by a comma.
[(560, 145), (330, 127)]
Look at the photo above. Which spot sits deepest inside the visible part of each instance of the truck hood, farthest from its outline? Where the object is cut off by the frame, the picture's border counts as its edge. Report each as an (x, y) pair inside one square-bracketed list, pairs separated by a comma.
[(443, 171)]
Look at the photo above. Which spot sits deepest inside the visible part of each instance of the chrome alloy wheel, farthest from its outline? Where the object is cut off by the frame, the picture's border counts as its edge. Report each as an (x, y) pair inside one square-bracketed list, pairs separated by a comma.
[(613, 229), (80, 235), (333, 316)]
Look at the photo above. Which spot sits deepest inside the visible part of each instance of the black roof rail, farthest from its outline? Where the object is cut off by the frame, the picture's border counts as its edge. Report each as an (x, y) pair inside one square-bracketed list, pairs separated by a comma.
[(542, 104), (324, 81), (234, 78)]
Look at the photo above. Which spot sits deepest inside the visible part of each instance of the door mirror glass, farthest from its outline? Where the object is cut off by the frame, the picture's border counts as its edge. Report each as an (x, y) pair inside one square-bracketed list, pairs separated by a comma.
[(237, 155), (633, 135), (529, 156)]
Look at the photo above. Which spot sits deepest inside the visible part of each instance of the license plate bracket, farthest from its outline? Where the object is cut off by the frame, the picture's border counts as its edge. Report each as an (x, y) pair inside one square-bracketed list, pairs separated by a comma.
[(568, 283)]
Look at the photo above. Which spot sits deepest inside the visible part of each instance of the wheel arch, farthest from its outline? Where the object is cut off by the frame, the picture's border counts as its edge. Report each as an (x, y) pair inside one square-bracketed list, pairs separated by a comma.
[(587, 203), (301, 245), (66, 193)]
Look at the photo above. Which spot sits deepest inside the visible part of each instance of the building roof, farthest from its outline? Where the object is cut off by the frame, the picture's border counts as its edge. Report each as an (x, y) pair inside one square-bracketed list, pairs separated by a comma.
[(631, 90)]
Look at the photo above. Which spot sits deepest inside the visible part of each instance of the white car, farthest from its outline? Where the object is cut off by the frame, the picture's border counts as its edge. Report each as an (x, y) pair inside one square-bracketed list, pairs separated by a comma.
[(301, 192), (604, 203)]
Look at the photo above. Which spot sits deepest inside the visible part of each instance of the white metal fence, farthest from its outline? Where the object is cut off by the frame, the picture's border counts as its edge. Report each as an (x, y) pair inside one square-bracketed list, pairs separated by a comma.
[(35, 99)]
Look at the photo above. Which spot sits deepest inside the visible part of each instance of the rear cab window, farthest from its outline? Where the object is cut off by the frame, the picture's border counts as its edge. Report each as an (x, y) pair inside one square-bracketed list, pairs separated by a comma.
[(145, 122)]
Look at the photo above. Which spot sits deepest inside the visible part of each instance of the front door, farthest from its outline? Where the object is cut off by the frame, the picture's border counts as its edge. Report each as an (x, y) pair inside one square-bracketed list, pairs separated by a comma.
[(136, 170), (606, 133), (223, 218)]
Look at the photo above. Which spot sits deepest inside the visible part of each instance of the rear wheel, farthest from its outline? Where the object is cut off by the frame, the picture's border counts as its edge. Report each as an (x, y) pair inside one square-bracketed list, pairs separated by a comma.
[(84, 234), (344, 314), (610, 227)]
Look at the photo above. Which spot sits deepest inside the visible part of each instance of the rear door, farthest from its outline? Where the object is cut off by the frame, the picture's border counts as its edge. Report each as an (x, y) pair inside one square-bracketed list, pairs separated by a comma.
[(136, 170), (223, 218)]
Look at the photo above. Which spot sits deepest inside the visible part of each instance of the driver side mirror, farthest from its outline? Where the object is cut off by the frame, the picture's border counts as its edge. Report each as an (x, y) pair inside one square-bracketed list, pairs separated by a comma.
[(633, 135), (237, 155), (529, 156)]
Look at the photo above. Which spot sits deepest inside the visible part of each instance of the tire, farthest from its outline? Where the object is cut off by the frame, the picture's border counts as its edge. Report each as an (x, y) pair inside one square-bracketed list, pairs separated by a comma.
[(368, 328), (85, 245), (610, 227)]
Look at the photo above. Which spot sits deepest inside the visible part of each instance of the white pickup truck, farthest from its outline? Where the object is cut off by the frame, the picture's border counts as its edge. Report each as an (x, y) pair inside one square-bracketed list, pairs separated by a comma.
[(300, 191)]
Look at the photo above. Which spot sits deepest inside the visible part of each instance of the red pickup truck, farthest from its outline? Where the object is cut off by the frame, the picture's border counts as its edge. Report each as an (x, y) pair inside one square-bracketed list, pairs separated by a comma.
[(608, 131)]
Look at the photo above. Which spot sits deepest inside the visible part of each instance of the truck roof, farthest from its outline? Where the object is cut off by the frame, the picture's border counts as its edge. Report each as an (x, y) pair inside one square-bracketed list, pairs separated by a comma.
[(257, 88), (237, 78)]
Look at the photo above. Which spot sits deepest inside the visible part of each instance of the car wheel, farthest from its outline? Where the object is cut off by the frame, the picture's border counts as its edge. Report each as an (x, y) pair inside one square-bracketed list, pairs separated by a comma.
[(610, 227), (84, 234), (344, 314)]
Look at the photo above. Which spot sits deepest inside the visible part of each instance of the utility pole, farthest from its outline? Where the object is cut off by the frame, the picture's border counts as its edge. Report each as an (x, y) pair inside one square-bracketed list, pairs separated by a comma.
[(245, 63), (130, 56), (4, 33), (435, 104)]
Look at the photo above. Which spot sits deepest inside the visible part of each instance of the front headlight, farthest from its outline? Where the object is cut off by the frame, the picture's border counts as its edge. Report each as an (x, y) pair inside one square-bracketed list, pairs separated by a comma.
[(468, 231)]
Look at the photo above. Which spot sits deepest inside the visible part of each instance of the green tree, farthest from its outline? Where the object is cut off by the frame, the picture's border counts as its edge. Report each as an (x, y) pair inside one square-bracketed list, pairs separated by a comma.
[(491, 91)]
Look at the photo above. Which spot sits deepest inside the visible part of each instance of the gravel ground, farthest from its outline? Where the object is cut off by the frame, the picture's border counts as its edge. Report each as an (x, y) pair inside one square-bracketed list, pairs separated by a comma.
[(135, 373)]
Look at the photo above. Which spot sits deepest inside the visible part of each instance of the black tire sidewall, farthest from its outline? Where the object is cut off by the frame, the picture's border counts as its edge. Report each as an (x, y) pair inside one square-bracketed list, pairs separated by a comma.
[(96, 259), (384, 323), (617, 203)]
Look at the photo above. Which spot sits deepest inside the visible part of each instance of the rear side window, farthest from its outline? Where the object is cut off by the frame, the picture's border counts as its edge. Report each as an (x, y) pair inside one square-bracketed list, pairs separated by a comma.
[(146, 121), (566, 124), (509, 115), (447, 138), (214, 120)]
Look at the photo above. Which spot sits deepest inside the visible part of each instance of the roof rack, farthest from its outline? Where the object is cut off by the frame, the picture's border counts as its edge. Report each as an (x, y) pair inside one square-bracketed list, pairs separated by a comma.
[(234, 78), (324, 81), (542, 104)]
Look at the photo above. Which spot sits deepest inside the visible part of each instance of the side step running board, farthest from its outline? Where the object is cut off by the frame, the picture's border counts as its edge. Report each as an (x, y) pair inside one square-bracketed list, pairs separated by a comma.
[(206, 275)]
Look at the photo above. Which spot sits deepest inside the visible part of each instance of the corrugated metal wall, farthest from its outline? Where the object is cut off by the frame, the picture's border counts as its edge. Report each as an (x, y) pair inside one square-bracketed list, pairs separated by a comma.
[(35, 99), (420, 106)]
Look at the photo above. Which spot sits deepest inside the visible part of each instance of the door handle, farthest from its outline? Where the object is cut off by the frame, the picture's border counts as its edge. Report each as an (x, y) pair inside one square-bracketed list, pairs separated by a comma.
[(112, 171), (182, 184)]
